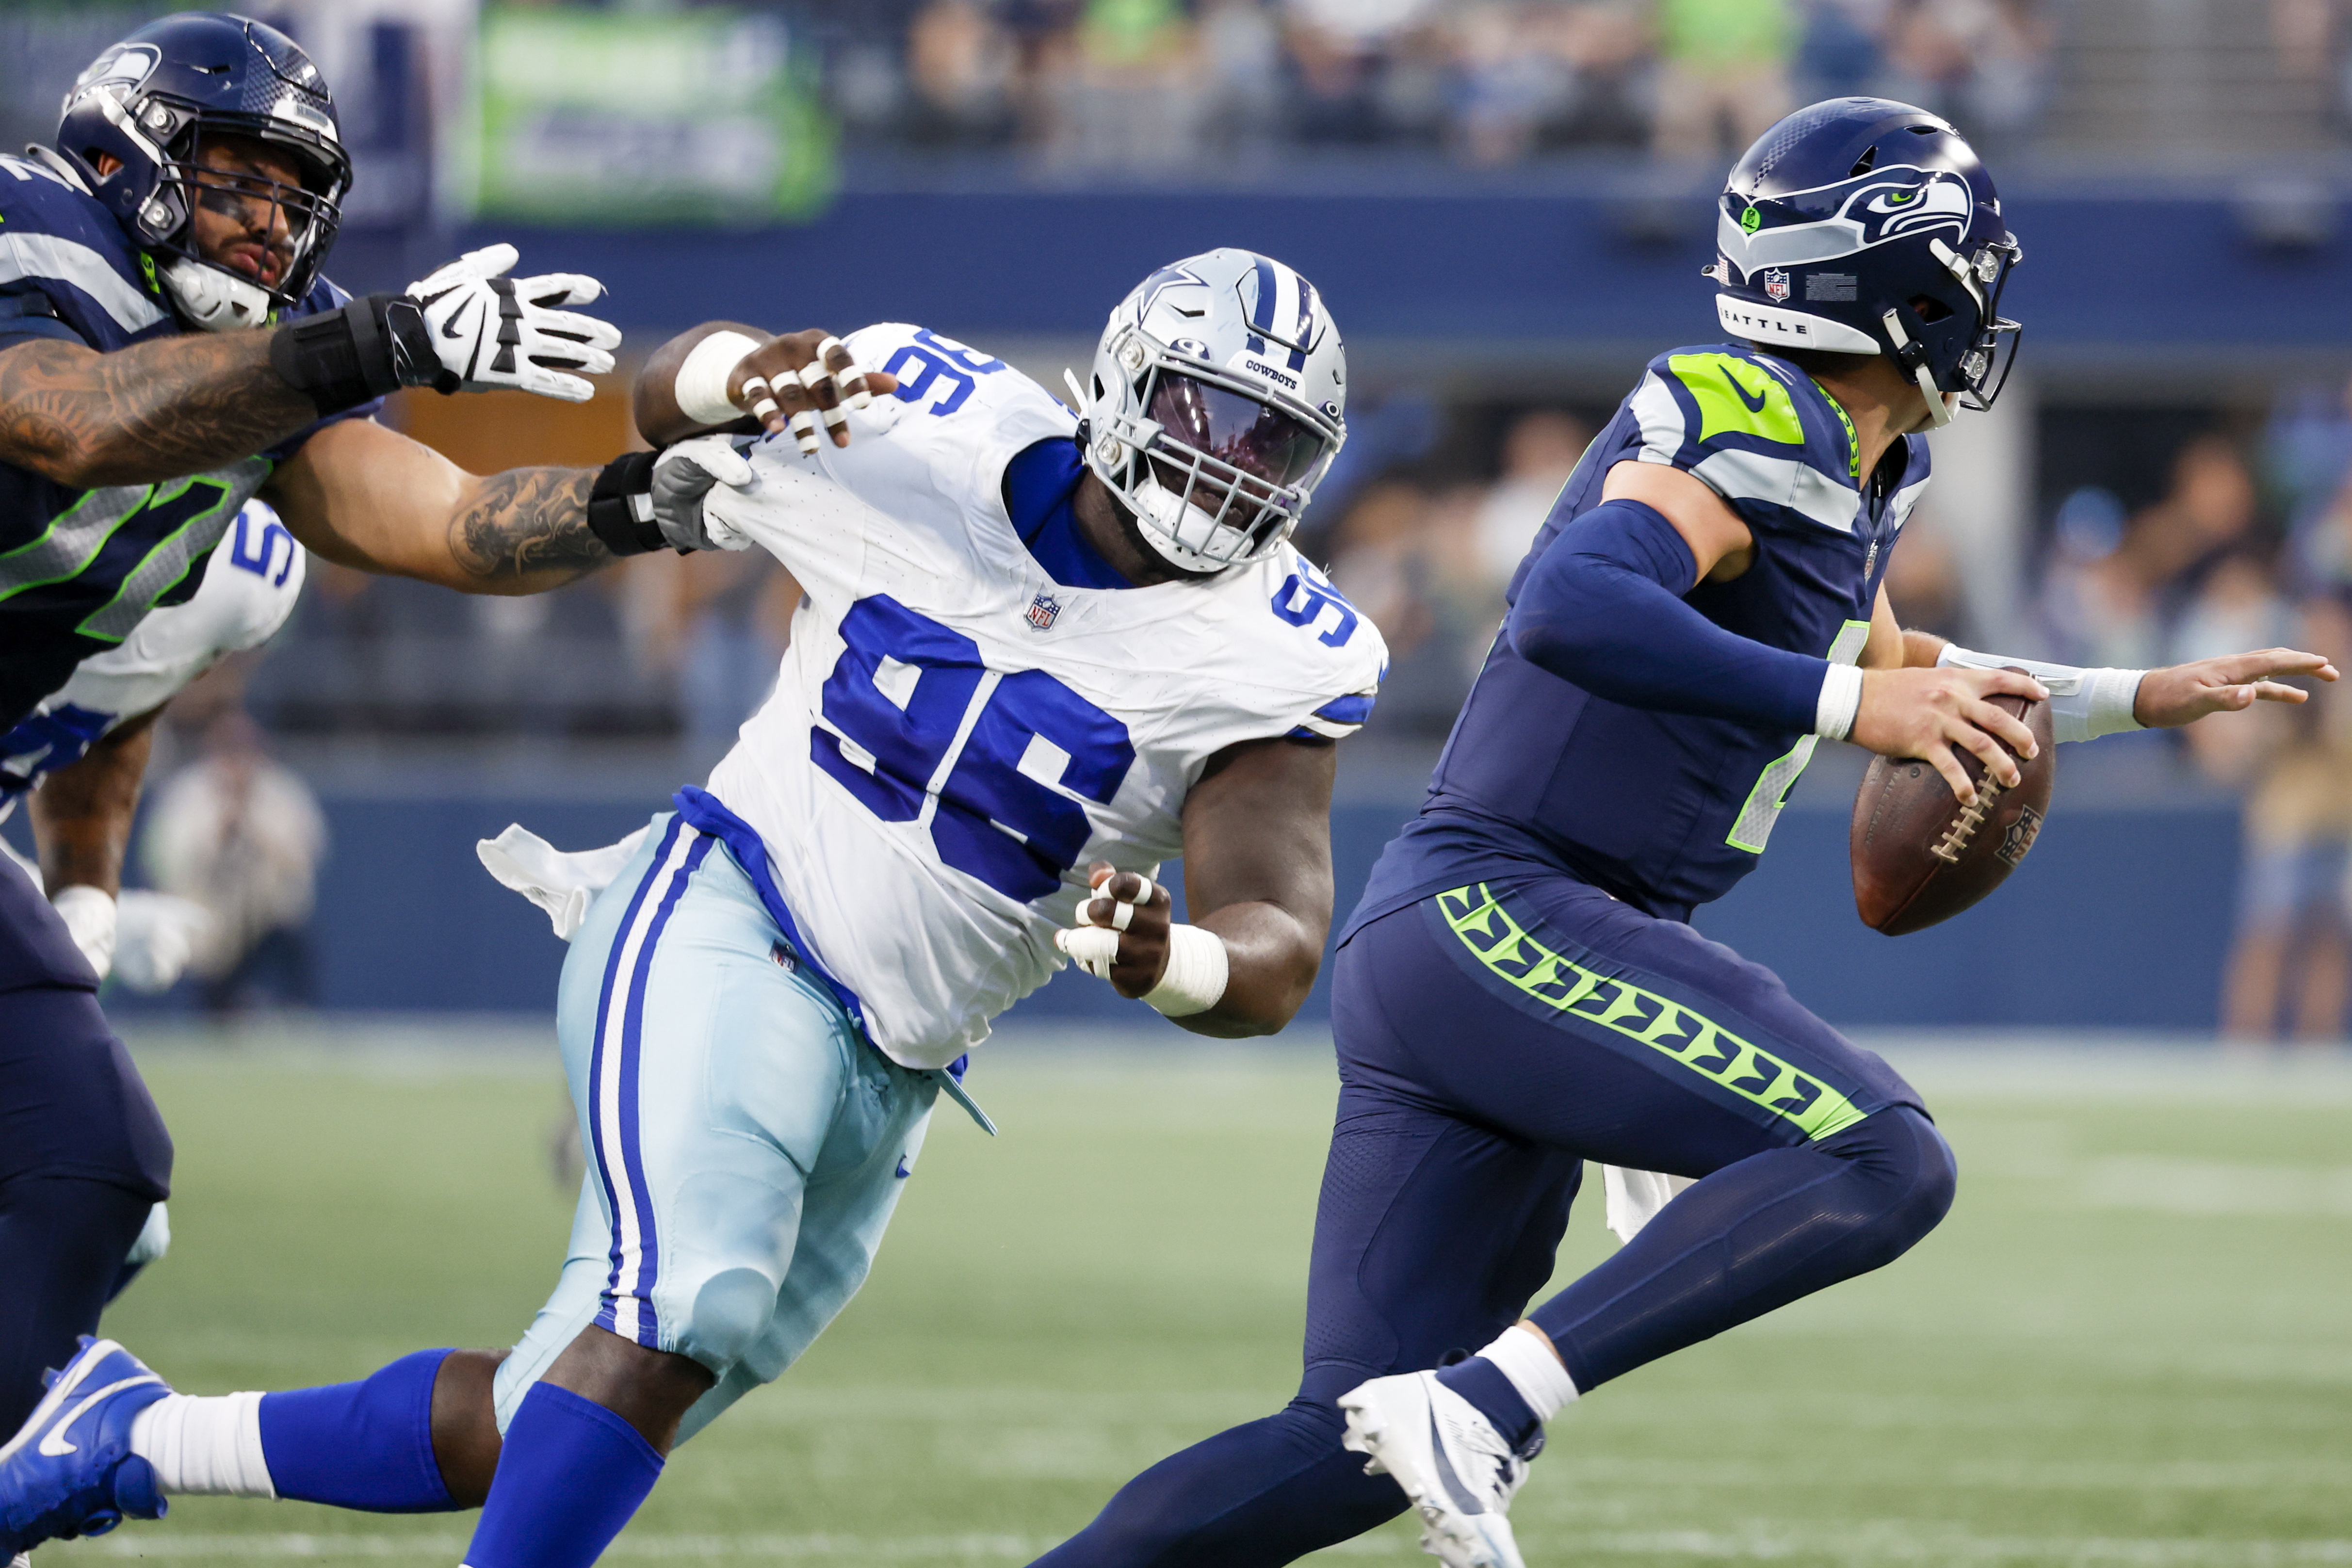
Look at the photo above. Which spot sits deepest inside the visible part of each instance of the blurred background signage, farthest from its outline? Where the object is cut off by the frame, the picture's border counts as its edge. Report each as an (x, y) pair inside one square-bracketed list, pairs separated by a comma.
[(627, 118)]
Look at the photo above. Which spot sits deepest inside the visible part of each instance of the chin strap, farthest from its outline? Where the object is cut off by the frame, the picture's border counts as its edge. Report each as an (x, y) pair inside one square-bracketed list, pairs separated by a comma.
[(1913, 358), (211, 300)]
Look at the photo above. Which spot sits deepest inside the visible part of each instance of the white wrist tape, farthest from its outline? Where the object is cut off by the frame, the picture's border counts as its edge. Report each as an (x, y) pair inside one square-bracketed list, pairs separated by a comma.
[(88, 914), (1840, 700), (2084, 703), (700, 386), (1194, 980)]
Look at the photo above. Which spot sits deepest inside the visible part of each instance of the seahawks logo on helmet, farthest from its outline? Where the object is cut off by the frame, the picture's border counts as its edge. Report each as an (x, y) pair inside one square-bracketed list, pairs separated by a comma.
[(1833, 221)]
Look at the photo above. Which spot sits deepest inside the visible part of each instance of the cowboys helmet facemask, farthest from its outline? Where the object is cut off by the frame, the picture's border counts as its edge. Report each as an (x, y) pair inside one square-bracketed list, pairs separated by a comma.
[(152, 100), (1861, 225), (1217, 401)]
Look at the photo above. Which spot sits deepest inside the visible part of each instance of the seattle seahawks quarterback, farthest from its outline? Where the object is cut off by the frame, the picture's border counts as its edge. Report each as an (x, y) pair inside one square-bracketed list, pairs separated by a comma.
[(1519, 990), (169, 351), (1037, 656)]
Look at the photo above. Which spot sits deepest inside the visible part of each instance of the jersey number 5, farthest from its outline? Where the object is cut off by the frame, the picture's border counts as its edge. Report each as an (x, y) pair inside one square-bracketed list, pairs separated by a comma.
[(999, 763)]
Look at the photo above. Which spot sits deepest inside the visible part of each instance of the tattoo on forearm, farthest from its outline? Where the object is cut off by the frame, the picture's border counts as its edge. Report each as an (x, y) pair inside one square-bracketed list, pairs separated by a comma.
[(155, 411), (527, 523)]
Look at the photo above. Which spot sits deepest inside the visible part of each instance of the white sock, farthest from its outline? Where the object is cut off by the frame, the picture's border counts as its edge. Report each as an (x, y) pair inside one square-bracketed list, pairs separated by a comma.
[(204, 1446), (1522, 1355)]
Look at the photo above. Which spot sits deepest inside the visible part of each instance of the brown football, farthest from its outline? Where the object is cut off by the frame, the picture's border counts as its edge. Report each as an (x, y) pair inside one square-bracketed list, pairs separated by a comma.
[(1919, 857)]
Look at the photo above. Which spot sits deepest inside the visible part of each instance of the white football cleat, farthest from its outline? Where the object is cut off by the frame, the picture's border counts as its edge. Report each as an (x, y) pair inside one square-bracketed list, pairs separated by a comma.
[(1452, 1463)]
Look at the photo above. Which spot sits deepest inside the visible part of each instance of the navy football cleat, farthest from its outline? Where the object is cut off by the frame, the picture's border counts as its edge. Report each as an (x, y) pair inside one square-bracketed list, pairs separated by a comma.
[(69, 1469)]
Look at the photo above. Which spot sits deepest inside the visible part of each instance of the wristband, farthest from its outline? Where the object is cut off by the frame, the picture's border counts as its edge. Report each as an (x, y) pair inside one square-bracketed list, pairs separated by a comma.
[(341, 359), (89, 914), (700, 385), (621, 505), (1194, 980), (2084, 703), (1841, 699)]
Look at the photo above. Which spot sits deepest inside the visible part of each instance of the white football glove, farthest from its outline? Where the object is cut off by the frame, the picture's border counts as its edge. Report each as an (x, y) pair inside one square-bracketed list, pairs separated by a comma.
[(492, 332), (684, 476), (155, 935), (89, 915)]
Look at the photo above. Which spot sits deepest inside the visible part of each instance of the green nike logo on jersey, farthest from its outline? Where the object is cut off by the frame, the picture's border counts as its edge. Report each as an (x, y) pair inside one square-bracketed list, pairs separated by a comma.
[(1735, 397)]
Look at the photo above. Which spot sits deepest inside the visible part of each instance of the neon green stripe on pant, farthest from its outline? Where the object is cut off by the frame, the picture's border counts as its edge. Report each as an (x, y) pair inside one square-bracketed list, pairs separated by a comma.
[(1699, 1043)]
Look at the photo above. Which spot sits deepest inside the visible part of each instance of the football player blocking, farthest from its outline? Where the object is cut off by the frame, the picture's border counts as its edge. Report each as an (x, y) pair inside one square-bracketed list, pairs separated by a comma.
[(1519, 990), (1038, 656), (170, 351)]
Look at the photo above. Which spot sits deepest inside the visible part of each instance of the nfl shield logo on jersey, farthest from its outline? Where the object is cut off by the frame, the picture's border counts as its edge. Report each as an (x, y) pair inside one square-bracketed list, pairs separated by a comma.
[(1042, 611), (1775, 284)]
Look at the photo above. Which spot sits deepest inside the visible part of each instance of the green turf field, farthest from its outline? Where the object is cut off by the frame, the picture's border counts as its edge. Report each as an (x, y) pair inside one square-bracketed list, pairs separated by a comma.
[(2131, 1344)]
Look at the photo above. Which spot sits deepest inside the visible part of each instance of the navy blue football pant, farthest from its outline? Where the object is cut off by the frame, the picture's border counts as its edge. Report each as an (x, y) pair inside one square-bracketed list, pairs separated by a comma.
[(83, 1154), (1490, 1042)]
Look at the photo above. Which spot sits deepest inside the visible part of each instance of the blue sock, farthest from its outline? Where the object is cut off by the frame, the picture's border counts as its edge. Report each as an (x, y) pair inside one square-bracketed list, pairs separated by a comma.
[(569, 1476), (367, 1444), (1482, 1383)]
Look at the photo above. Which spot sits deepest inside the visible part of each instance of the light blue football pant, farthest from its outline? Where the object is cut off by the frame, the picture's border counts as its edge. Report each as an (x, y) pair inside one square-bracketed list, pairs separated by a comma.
[(745, 1146)]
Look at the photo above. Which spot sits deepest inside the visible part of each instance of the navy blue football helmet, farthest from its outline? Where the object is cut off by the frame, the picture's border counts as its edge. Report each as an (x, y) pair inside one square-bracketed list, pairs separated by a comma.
[(149, 101), (1862, 226)]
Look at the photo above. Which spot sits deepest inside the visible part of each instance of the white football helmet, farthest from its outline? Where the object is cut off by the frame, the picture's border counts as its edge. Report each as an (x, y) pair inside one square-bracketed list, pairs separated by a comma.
[(1217, 402)]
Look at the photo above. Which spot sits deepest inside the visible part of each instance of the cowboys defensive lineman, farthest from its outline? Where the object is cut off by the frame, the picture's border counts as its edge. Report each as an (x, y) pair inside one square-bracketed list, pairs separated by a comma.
[(169, 351), (1038, 656), (1519, 989)]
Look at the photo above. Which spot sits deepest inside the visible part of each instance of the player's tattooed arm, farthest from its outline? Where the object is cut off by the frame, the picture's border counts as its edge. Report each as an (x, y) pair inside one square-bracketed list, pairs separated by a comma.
[(527, 526), (82, 813), (369, 497), (148, 412)]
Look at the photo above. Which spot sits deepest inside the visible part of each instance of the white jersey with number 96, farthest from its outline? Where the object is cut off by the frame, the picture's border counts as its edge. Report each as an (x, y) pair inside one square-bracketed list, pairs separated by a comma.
[(954, 735)]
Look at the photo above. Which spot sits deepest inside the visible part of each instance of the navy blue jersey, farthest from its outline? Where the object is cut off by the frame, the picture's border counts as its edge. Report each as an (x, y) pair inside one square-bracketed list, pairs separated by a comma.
[(79, 569), (1667, 810)]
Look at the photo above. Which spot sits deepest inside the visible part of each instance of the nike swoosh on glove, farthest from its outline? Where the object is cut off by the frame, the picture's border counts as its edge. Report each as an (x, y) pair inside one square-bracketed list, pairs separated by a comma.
[(491, 332), (684, 476)]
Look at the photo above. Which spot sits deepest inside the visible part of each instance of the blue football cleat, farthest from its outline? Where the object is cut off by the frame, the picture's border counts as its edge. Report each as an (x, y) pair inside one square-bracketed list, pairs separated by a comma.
[(69, 1469)]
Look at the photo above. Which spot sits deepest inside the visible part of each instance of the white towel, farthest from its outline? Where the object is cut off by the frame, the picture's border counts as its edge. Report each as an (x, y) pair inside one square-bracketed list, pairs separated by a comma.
[(1635, 1198), (562, 884)]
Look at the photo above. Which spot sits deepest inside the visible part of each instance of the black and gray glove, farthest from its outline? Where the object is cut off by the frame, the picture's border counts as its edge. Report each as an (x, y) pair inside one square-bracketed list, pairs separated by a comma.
[(645, 500), (465, 328)]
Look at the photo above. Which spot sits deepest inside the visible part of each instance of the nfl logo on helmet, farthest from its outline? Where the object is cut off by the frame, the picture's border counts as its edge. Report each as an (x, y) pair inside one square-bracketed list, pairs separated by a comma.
[(1042, 611), (1775, 284)]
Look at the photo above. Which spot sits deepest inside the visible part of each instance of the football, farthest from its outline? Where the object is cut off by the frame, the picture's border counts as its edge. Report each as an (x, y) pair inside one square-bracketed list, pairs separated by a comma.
[(1920, 856)]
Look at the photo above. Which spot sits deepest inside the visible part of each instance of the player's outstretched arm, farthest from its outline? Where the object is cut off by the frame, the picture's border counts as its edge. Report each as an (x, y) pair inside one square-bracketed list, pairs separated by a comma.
[(1257, 884), (179, 405), (724, 376), (369, 497), (2087, 703), (142, 415)]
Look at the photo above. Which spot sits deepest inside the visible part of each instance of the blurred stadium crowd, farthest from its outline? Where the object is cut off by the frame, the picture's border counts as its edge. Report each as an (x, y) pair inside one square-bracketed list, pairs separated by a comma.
[(2222, 521)]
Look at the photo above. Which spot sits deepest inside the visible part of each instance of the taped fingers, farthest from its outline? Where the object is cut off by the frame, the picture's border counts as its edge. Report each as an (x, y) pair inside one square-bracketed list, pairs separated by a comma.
[(1093, 948), (848, 376), (763, 406)]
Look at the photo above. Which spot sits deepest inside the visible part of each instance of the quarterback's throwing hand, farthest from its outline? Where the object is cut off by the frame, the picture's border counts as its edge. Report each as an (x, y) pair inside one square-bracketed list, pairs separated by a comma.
[(492, 332), (1121, 935), (1926, 712), (2184, 694)]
